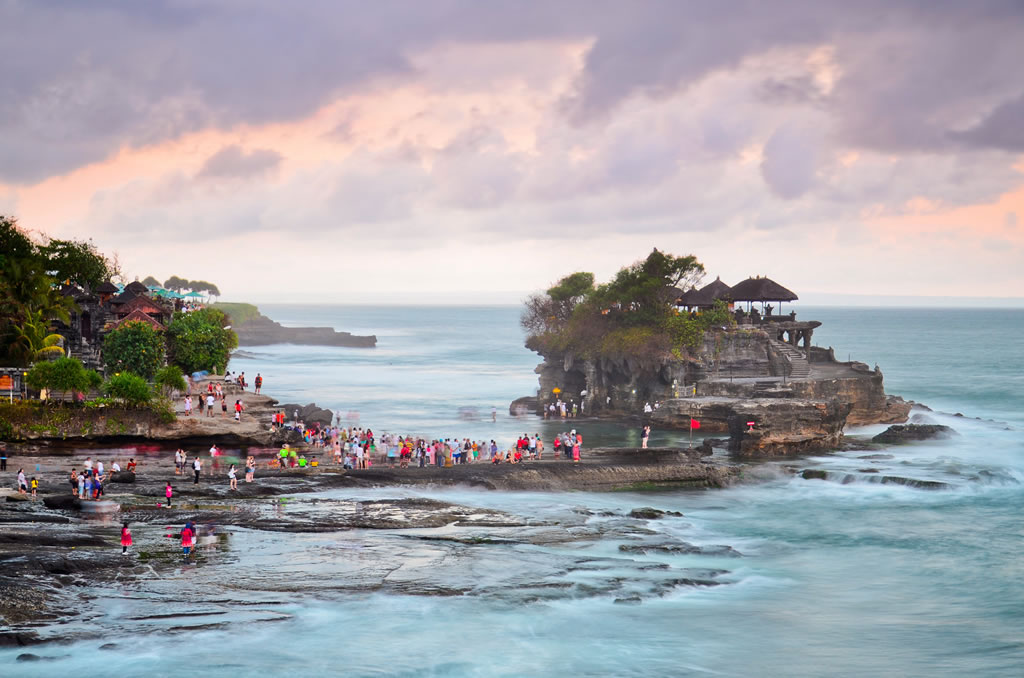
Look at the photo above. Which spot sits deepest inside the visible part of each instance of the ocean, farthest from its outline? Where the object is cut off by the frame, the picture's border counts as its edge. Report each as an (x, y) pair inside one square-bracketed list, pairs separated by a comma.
[(838, 577)]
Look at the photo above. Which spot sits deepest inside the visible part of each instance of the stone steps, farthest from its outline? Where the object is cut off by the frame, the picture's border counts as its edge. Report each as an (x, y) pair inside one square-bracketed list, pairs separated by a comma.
[(799, 367)]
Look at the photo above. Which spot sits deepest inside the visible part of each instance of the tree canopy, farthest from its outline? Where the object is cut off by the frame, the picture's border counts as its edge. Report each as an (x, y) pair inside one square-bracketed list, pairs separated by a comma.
[(134, 347), (29, 296), (76, 262), (199, 340), (631, 315)]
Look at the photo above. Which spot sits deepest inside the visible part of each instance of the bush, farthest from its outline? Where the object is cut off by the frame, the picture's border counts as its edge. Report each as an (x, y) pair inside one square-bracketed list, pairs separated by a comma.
[(134, 347), (198, 340), (129, 389), (63, 375), (169, 379)]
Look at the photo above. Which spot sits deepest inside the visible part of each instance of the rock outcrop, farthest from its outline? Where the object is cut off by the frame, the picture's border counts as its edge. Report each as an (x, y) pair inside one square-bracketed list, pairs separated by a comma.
[(772, 398), (262, 331), (308, 414), (905, 433)]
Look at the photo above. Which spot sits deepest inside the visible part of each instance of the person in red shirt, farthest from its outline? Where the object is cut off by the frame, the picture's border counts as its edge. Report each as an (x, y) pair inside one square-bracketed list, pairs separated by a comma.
[(187, 539), (126, 538), (131, 465)]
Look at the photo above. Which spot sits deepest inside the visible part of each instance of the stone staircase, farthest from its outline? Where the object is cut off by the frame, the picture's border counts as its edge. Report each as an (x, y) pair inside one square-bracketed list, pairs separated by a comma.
[(799, 367)]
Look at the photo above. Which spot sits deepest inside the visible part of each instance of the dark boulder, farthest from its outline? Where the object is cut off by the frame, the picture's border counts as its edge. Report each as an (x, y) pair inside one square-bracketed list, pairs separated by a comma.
[(814, 474), (648, 513), (123, 477), (902, 433), (66, 502), (524, 405)]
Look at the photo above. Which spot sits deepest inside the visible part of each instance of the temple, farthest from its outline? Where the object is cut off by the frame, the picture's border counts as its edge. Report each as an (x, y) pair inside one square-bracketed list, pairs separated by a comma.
[(107, 308)]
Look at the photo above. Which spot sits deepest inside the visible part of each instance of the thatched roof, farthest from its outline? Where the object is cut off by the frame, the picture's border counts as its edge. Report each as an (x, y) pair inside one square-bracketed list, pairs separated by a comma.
[(706, 296), (716, 290), (136, 288), (761, 289), (107, 288)]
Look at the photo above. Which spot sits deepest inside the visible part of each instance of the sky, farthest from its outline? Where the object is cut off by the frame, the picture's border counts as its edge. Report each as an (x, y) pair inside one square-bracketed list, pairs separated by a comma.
[(463, 151)]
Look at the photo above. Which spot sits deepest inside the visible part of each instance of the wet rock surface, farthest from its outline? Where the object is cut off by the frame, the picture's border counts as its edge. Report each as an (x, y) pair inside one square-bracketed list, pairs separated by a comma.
[(904, 433)]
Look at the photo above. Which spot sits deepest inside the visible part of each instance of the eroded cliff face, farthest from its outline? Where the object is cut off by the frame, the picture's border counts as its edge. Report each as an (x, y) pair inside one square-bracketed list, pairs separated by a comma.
[(736, 377)]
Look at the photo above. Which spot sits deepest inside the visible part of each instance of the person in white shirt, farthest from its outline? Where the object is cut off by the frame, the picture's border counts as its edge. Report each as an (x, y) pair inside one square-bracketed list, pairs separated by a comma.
[(99, 470), (115, 467)]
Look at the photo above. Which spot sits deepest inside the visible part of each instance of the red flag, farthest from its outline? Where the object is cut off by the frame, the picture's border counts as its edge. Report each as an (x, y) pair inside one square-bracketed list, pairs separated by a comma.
[(694, 424)]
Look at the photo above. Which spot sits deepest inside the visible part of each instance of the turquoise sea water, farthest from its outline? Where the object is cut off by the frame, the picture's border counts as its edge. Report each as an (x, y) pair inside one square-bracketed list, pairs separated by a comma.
[(844, 577)]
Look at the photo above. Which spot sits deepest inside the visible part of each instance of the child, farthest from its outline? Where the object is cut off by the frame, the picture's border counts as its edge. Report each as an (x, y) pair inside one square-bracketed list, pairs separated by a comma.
[(231, 475), (126, 538), (35, 486), (186, 539), (169, 492)]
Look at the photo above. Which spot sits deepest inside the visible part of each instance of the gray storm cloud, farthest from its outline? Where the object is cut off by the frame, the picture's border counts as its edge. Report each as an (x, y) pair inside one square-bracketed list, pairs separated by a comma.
[(921, 76)]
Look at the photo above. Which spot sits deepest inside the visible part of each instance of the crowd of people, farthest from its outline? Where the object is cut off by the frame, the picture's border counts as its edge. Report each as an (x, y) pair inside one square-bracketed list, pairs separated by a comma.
[(88, 484), (208, 401), (358, 448)]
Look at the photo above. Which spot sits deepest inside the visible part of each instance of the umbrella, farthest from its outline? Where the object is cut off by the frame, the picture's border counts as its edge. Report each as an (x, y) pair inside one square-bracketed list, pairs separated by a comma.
[(195, 295)]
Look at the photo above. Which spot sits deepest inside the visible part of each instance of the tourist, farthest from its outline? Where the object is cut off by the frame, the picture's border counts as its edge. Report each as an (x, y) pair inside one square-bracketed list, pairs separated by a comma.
[(88, 465), (540, 446), (81, 485), (188, 406), (99, 470), (131, 465), (74, 482), (647, 408), (168, 492), (238, 411), (126, 538), (575, 453), (209, 404), (258, 382), (34, 483), (302, 461), (557, 445), (197, 466), (645, 433), (179, 461), (282, 456), (250, 468), (223, 407), (187, 540), (494, 413), (115, 467), (3, 456), (233, 480)]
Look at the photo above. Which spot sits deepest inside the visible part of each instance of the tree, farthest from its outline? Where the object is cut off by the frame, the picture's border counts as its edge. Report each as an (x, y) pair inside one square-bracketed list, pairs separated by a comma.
[(203, 286), (169, 379), (63, 375), (177, 284), (131, 389), (642, 290), (29, 298), (76, 262), (198, 340), (134, 347), (150, 281)]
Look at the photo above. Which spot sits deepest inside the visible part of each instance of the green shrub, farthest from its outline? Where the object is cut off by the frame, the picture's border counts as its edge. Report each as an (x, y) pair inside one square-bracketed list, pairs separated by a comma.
[(129, 389), (134, 347), (198, 340), (63, 375), (169, 379)]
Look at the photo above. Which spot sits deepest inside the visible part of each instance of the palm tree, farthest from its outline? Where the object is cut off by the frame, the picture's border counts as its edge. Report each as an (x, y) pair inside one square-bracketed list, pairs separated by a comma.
[(32, 340)]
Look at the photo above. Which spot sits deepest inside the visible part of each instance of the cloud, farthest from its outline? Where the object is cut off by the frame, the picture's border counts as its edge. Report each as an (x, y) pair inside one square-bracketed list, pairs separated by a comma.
[(234, 162), (791, 159), (129, 74), (1002, 128)]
